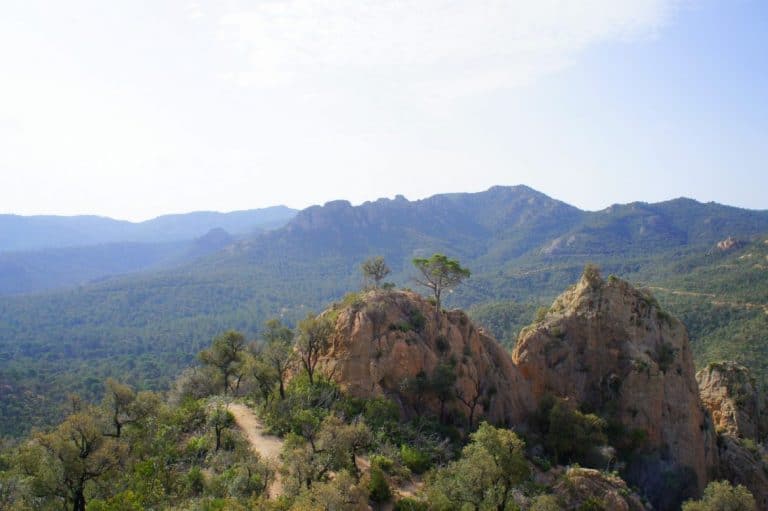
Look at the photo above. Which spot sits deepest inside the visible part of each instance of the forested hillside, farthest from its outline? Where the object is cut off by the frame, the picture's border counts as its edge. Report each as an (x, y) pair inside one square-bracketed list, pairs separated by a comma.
[(387, 401), (522, 247)]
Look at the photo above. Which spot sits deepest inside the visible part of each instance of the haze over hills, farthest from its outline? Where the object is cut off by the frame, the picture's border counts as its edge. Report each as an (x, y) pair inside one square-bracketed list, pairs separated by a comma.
[(46, 231), (40, 253), (522, 247)]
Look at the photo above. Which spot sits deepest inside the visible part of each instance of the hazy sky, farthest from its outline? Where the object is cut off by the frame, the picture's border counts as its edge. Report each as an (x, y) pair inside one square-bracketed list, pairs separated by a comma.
[(133, 109)]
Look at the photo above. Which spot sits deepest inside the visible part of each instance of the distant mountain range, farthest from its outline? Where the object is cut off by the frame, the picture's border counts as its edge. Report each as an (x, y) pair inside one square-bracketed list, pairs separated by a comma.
[(39, 253), (39, 232), (522, 247)]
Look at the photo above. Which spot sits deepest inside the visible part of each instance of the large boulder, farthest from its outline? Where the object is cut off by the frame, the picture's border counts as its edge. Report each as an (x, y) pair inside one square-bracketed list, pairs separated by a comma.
[(391, 343), (609, 347), (585, 488)]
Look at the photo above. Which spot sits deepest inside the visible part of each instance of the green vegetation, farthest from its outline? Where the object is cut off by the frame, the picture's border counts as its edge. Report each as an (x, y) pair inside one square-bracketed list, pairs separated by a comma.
[(375, 270), (439, 273), (505, 319), (523, 247), (722, 496), (569, 435), (186, 450), (491, 466)]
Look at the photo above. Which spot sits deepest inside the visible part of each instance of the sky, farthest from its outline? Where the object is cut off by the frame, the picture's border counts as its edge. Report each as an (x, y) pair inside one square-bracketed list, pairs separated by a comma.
[(133, 109)]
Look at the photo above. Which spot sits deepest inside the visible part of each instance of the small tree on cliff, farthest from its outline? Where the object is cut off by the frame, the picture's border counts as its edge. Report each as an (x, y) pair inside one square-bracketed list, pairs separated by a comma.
[(439, 273), (313, 336), (375, 269)]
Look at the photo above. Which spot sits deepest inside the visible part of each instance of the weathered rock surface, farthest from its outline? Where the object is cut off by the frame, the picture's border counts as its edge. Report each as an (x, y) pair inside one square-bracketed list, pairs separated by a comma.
[(743, 463), (583, 487), (730, 393), (609, 347), (388, 342)]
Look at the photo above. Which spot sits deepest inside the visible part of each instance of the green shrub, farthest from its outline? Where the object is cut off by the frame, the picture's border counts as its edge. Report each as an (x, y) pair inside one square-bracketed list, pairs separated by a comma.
[(417, 320), (592, 504), (124, 501), (195, 481), (381, 413), (190, 416), (378, 487), (409, 504), (401, 326), (382, 462), (197, 448), (569, 434), (416, 460), (722, 496)]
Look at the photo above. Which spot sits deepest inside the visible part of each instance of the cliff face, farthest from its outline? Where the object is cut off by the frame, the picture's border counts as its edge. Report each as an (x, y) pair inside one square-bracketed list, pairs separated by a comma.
[(607, 346), (393, 343), (731, 395)]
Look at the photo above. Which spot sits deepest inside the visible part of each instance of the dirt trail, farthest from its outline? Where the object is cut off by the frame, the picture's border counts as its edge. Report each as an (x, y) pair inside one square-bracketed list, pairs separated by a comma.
[(266, 446), (711, 296), (269, 447)]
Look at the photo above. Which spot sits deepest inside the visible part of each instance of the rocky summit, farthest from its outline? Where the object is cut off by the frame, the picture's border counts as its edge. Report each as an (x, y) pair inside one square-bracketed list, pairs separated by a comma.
[(394, 344), (609, 347)]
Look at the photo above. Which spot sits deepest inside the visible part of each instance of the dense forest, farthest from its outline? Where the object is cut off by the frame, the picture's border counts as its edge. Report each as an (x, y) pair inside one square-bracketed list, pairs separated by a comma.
[(522, 247), (257, 425)]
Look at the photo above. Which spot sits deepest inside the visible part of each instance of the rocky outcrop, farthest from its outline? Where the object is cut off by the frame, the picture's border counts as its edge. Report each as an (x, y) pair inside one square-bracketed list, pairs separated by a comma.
[(584, 488), (730, 393), (742, 461), (392, 343), (729, 243), (610, 348)]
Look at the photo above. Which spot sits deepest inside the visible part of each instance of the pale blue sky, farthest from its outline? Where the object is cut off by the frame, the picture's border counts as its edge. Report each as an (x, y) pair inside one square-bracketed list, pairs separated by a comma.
[(136, 109)]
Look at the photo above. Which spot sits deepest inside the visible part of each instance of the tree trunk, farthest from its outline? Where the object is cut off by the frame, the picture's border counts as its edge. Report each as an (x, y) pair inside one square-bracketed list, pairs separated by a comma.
[(282, 389), (355, 470), (311, 375), (79, 501)]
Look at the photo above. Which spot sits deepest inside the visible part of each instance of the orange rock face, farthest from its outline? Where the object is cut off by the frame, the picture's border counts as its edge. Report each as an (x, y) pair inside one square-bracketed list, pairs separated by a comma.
[(607, 345), (388, 342), (731, 395)]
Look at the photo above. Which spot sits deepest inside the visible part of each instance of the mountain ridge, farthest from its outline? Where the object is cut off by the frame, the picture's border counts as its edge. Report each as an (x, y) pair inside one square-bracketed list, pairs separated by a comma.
[(147, 323)]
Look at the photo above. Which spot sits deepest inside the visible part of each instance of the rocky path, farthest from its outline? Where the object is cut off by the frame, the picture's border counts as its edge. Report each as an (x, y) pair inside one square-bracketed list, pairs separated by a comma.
[(265, 445)]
